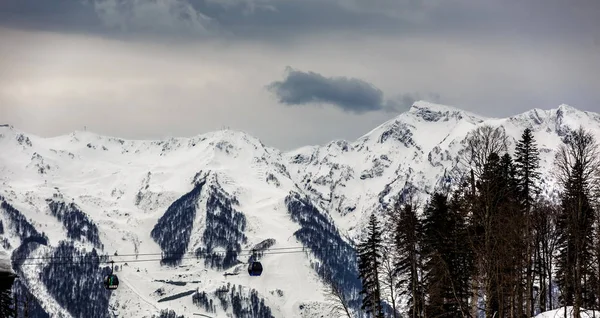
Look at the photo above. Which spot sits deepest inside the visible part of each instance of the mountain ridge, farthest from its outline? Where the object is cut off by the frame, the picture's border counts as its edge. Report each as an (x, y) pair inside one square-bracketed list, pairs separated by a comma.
[(251, 193), (418, 109)]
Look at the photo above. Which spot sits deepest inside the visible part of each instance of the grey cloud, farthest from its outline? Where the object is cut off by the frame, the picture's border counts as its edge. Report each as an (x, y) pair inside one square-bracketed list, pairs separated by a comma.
[(349, 94), (61, 15), (284, 19), (153, 16)]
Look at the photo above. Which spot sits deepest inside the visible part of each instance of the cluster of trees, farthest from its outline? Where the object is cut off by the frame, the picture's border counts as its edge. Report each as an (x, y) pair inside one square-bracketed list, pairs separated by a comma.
[(202, 300), (25, 304), (75, 281), (225, 228), (18, 222), (173, 230), (20, 301), (167, 313), (77, 223), (3, 240), (259, 249), (244, 304), (335, 258), (492, 246)]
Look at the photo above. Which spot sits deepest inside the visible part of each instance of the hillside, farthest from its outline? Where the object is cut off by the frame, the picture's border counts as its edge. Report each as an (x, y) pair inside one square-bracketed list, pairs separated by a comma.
[(134, 201)]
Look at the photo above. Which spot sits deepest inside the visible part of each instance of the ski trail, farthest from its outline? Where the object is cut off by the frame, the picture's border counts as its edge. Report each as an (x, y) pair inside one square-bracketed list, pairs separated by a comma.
[(139, 295)]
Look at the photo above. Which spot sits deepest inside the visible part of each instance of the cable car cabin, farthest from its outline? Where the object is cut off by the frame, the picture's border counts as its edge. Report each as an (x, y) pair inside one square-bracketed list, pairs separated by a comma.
[(255, 269), (111, 282)]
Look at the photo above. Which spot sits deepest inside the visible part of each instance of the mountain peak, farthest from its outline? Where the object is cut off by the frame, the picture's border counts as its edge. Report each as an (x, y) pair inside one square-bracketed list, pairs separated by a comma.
[(432, 112), (565, 107), (422, 104), (236, 137), (556, 117)]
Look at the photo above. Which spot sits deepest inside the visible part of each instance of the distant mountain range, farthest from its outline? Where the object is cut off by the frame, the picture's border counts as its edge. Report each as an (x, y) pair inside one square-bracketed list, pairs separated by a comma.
[(223, 191)]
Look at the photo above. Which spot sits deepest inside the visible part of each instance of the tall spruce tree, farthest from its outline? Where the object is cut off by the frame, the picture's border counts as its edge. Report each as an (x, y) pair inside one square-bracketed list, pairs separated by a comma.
[(369, 261), (509, 234), (449, 261), (484, 222), (527, 164), (575, 225), (578, 165), (528, 175), (495, 227), (408, 237)]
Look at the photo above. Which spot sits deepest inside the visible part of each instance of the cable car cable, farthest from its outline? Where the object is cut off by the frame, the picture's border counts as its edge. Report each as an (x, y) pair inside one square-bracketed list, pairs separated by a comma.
[(156, 254), (156, 259)]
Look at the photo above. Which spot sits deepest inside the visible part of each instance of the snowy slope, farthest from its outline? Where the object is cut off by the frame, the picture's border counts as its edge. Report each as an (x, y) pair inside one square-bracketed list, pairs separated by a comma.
[(418, 149), (560, 313), (224, 190)]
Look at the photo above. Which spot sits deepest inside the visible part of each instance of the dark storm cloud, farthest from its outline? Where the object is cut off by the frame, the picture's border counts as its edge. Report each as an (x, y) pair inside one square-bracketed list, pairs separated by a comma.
[(61, 15), (261, 18), (281, 19), (349, 94)]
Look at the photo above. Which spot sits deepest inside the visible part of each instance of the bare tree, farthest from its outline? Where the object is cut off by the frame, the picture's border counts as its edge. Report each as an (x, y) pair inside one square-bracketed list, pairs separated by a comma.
[(389, 279), (339, 301), (480, 144), (545, 225), (579, 147)]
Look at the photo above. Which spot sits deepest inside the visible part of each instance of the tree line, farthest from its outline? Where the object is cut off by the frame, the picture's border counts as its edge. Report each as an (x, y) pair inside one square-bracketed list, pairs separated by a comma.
[(492, 244)]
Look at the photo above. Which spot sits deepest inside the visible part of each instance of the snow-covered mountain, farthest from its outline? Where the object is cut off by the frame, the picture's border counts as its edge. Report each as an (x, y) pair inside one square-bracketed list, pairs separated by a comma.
[(136, 201)]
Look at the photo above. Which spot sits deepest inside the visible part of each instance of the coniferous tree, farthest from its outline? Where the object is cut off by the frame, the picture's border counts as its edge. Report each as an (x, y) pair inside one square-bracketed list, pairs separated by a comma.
[(369, 261), (527, 165), (495, 232), (578, 165), (448, 264), (484, 221), (509, 233), (436, 228), (463, 267), (408, 237)]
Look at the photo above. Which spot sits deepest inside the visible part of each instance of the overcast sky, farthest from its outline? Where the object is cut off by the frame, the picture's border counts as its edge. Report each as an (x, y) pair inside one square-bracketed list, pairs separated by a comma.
[(290, 72)]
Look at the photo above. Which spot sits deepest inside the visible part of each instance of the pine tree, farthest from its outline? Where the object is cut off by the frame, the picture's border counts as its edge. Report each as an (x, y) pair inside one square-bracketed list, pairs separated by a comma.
[(408, 237), (369, 256)]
